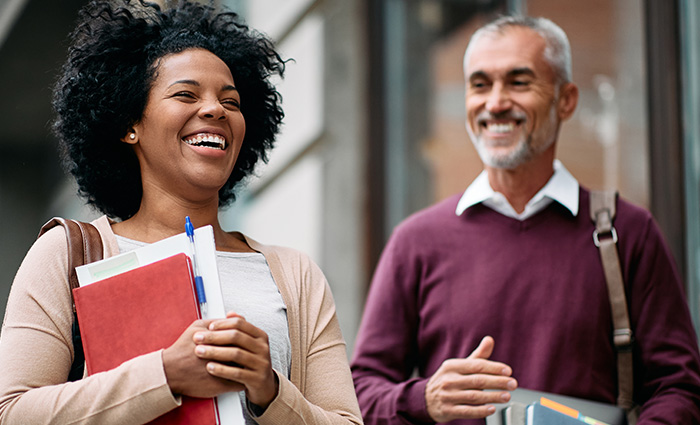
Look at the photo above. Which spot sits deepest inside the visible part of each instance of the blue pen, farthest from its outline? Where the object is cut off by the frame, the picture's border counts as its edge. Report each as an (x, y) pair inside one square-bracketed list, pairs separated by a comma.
[(198, 282)]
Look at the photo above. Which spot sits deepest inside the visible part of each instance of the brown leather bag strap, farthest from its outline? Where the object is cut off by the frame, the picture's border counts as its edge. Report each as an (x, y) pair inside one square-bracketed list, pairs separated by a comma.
[(602, 210), (84, 245)]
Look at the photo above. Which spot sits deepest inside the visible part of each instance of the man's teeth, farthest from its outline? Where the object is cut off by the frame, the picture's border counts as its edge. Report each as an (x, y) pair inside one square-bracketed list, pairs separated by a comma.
[(206, 140), (500, 127)]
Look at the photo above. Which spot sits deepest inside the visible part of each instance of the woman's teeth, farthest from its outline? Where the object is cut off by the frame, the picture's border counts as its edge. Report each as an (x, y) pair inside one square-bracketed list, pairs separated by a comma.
[(213, 141)]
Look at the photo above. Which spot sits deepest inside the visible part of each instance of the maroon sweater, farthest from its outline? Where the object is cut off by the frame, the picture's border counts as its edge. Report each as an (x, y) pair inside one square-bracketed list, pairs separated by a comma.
[(537, 286)]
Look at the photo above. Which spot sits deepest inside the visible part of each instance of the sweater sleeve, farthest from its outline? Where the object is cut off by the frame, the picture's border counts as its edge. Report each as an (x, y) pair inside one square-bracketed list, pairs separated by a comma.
[(667, 363), (321, 389), (386, 347), (36, 352)]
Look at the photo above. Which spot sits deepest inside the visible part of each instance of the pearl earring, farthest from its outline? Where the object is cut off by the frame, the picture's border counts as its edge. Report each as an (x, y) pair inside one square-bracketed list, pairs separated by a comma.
[(132, 136)]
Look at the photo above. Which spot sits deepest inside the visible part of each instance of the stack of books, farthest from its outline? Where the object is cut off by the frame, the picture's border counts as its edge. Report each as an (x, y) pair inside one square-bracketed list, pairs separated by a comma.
[(546, 412), (529, 407)]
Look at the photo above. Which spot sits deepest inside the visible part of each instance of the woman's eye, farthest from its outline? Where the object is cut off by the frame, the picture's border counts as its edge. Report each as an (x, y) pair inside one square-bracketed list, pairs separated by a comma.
[(232, 103), (184, 94)]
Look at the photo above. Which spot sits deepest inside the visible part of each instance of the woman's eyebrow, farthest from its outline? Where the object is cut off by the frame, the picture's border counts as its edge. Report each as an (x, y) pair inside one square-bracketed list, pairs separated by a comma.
[(226, 87), (188, 82)]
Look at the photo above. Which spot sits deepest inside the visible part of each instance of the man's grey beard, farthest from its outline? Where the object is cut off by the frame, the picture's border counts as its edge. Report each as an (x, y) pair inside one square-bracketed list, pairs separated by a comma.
[(523, 151), (509, 161)]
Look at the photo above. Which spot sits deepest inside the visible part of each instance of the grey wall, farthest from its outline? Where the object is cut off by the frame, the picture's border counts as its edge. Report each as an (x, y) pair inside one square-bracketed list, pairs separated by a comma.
[(30, 54)]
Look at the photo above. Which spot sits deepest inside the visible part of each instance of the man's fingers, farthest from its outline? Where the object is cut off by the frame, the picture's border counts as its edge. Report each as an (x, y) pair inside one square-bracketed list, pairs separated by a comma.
[(474, 366), (484, 350), (478, 382), (467, 404), (459, 388), (474, 397), (469, 412)]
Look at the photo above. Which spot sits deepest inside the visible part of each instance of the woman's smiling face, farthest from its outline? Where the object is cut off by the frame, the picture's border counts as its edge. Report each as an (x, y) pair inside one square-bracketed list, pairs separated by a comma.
[(192, 128)]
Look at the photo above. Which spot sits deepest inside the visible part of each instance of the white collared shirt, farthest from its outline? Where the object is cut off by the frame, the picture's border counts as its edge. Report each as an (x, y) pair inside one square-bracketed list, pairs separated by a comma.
[(561, 187)]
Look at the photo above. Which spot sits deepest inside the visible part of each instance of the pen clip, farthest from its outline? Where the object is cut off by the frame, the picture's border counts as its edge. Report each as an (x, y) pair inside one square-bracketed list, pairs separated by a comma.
[(189, 228)]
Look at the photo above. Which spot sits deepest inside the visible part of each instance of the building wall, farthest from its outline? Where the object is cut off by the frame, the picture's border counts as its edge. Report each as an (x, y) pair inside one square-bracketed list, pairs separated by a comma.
[(310, 195), (32, 33)]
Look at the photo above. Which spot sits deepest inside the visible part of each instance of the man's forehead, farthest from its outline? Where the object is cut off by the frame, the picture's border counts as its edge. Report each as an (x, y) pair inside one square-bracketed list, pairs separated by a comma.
[(505, 50)]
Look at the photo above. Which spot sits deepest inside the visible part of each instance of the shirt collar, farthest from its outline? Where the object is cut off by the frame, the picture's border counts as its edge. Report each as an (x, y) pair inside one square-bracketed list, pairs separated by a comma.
[(562, 187)]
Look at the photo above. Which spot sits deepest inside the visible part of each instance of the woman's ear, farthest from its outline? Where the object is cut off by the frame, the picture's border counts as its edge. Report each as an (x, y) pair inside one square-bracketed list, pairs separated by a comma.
[(131, 137)]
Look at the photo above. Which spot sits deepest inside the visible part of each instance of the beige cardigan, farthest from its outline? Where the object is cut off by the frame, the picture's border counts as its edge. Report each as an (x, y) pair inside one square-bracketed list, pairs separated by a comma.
[(36, 350)]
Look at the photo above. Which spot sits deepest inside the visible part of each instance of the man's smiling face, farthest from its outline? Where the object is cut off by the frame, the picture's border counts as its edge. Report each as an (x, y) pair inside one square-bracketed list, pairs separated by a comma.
[(511, 97)]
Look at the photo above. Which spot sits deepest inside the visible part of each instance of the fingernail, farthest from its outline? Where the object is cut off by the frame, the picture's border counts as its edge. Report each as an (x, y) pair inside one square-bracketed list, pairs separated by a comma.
[(512, 384), (505, 396), (491, 409), (210, 367), (198, 337), (200, 350)]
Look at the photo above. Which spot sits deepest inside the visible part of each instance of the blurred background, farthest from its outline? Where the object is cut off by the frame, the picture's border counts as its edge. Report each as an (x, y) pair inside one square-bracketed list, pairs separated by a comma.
[(374, 126)]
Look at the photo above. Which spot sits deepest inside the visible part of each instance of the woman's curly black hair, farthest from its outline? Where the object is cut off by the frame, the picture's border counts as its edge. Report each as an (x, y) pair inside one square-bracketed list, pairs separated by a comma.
[(111, 66)]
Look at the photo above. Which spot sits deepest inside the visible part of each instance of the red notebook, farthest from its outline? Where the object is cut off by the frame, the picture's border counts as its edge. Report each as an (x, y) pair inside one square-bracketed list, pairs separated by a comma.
[(138, 312)]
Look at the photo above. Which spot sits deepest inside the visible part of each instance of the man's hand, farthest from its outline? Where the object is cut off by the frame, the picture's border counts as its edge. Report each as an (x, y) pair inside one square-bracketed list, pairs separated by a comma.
[(455, 391)]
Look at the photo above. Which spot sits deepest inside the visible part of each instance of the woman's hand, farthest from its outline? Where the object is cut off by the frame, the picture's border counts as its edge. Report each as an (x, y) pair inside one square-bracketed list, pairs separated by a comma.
[(240, 352), (187, 373)]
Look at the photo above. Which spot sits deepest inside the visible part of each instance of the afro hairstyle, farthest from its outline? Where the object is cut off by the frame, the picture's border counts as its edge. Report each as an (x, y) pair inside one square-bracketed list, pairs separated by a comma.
[(105, 83)]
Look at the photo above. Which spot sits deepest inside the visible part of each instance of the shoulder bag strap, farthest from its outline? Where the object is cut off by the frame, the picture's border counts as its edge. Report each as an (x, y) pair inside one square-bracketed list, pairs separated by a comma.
[(602, 210), (84, 246)]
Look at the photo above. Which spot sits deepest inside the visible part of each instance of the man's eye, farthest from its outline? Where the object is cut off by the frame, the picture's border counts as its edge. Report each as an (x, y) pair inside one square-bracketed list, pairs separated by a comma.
[(521, 83)]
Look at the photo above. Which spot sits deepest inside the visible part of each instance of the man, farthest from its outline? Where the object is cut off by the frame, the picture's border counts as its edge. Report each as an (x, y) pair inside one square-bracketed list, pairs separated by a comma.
[(503, 286)]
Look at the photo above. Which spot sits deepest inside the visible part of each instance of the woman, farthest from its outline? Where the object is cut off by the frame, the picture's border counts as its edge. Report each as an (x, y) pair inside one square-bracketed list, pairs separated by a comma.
[(160, 113)]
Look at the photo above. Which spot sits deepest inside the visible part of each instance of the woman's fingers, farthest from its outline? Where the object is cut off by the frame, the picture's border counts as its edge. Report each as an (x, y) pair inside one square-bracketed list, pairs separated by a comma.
[(236, 356), (228, 337), (186, 373), (235, 332), (239, 351), (261, 386), (235, 321)]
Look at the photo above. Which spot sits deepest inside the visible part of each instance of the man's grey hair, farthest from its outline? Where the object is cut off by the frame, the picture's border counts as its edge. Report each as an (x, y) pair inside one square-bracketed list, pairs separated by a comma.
[(557, 51)]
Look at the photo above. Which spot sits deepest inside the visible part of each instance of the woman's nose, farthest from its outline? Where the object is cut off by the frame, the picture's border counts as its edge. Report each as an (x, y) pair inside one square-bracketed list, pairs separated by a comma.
[(212, 109)]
